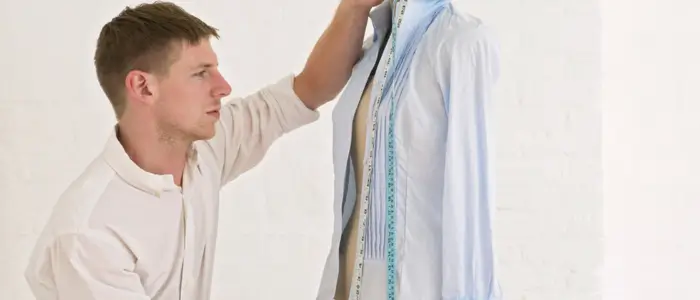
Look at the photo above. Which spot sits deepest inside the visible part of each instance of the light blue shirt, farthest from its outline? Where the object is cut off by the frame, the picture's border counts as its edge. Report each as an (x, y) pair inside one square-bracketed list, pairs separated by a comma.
[(445, 66)]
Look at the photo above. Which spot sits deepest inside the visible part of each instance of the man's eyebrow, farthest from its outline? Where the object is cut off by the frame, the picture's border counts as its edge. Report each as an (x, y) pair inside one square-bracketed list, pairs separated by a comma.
[(205, 66)]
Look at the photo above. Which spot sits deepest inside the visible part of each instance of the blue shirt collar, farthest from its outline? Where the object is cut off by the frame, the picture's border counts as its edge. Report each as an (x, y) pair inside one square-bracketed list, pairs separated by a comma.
[(417, 10), (381, 18)]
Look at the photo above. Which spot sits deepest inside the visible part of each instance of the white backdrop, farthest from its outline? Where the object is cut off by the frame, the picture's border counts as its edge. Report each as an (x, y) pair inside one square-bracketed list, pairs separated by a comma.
[(651, 117), (275, 219)]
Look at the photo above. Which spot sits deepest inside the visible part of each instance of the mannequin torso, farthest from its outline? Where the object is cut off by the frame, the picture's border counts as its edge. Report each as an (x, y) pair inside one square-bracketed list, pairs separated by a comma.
[(438, 135)]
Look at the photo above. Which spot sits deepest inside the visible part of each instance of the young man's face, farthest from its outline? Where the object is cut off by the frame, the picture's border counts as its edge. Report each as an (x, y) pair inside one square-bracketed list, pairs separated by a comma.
[(189, 97)]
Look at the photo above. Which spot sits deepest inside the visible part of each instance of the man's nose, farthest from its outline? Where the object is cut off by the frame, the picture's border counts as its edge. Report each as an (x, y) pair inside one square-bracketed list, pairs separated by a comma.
[(221, 87)]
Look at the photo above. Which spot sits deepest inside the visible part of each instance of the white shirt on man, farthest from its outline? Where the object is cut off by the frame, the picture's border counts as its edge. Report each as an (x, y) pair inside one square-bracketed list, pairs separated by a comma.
[(119, 232)]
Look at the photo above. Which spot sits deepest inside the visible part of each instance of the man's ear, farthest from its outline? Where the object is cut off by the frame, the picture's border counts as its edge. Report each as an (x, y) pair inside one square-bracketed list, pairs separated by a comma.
[(141, 86)]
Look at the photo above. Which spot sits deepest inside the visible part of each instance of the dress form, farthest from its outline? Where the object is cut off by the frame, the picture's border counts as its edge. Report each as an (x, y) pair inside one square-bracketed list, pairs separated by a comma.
[(357, 149), (361, 120), (429, 204)]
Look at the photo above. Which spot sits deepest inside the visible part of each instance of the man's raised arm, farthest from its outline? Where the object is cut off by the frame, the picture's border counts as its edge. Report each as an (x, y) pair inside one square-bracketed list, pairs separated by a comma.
[(330, 64), (250, 125)]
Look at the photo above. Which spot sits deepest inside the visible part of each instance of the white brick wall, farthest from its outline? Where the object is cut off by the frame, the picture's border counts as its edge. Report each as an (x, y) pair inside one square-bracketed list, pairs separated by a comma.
[(550, 203)]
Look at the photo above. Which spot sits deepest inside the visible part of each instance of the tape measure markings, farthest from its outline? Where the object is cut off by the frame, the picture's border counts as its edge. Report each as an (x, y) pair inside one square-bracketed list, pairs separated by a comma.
[(391, 220)]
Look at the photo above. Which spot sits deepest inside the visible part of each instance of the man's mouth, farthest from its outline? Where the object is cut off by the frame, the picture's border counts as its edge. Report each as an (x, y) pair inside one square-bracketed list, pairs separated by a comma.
[(214, 113)]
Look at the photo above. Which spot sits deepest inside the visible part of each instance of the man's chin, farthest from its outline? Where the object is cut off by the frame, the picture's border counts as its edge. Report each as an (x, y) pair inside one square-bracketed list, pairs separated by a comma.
[(205, 135)]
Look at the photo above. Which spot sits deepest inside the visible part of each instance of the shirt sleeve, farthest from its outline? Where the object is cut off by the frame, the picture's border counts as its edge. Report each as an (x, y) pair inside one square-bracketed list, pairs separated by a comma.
[(94, 266), (469, 63), (250, 125)]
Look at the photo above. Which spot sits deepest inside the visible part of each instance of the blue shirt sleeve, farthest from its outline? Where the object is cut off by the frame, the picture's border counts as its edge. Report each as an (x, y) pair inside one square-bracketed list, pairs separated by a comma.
[(469, 63)]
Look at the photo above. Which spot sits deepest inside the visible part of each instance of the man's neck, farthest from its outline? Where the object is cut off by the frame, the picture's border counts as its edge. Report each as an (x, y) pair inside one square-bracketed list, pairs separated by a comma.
[(153, 151)]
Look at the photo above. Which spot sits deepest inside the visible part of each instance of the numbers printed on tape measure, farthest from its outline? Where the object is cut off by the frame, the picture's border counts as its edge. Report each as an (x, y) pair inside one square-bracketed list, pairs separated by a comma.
[(391, 199)]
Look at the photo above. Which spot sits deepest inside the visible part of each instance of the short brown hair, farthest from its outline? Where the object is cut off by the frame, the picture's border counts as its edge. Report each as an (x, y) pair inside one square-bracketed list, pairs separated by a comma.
[(143, 38)]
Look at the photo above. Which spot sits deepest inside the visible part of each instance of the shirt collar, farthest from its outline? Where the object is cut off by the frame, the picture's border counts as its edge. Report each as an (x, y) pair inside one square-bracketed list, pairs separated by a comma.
[(381, 18), (131, 173), (381, 15)]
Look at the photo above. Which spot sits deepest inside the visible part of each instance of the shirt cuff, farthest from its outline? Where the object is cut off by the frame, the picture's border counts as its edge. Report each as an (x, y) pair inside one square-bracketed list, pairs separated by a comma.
[(295, 112)]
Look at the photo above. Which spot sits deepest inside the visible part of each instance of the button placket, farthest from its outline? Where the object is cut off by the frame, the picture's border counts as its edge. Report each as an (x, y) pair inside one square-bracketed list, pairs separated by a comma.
[(190, 230)]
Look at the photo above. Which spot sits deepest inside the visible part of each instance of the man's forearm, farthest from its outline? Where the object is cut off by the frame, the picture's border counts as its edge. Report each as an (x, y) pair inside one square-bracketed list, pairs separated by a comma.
[(330, 64)]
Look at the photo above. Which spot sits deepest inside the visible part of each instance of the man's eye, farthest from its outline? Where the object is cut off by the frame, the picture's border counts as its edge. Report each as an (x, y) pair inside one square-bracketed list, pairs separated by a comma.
[(201, 74)]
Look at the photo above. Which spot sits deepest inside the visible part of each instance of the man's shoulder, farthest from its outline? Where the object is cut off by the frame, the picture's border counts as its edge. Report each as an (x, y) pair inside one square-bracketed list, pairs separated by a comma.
[(74, 206), (70, 214)]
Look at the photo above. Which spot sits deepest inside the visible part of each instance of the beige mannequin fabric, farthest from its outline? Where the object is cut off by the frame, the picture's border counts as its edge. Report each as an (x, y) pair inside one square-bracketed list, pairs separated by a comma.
[(357, 151)]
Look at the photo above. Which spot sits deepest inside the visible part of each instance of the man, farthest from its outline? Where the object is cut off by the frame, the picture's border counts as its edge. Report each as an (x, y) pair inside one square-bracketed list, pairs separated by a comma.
[(141, 221)]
